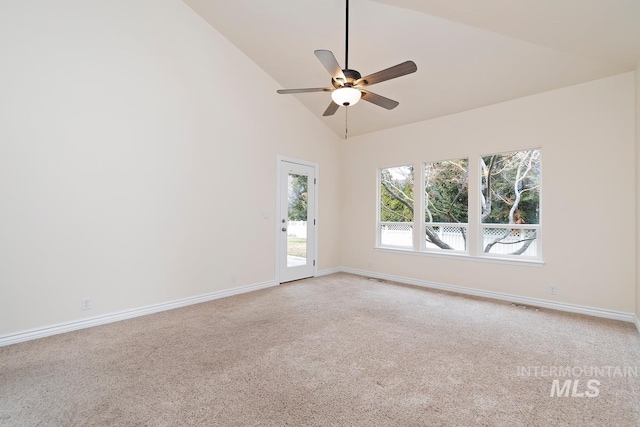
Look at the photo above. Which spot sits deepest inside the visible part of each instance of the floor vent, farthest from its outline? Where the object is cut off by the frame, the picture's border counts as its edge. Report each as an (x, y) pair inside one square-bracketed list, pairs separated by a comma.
[(525, 307)]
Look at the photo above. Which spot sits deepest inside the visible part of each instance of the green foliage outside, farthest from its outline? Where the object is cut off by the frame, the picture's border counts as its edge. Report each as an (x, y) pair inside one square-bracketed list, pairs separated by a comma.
[(510, 194), (396, 192), (298, 197), (446, 191), (513, 179)]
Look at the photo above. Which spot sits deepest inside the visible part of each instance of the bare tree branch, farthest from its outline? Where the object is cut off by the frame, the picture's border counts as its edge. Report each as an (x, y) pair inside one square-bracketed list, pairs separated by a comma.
[(399, 190), (516, 185), (496, 240), (433, 238), (515, 242), (486, 205), (525, 165), (526, 245), (397, 213), (426, 206), (395, 196)]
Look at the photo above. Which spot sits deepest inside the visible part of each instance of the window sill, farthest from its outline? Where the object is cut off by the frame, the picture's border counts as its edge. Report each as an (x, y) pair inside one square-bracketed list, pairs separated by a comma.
[(463, 256)]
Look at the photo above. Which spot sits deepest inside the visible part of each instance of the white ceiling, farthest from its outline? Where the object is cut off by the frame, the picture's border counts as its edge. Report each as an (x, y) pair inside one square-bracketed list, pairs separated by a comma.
[(469, 53)]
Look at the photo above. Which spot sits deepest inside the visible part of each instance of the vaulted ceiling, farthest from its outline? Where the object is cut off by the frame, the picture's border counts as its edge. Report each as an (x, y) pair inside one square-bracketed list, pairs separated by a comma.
[(469, 53)]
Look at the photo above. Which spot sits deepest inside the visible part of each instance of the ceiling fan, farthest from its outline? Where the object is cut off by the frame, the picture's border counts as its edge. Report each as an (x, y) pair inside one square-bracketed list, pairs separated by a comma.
[(348, 86)]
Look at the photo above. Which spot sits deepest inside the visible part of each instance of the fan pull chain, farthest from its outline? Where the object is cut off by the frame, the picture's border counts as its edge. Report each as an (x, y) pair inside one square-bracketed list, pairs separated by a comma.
[(346, 123)]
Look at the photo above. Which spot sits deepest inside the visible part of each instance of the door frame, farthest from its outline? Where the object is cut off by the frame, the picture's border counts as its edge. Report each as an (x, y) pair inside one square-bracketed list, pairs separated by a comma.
[(278, 216)]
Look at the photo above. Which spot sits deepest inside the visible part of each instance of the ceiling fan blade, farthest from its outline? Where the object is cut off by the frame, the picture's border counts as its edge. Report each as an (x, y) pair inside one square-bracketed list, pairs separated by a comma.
[(313, 89), (405, 68), (330, 62), (381, 101), (331, 109)]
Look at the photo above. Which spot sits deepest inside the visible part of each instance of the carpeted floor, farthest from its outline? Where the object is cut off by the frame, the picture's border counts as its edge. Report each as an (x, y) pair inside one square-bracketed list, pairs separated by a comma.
[(331, 351)]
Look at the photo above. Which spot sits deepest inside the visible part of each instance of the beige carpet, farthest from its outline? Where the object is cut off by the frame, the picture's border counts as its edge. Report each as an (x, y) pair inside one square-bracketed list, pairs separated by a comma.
[(332, 351)]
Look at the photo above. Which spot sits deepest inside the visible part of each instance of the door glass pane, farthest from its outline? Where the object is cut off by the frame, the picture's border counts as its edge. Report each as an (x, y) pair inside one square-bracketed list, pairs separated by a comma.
[(297, 221)]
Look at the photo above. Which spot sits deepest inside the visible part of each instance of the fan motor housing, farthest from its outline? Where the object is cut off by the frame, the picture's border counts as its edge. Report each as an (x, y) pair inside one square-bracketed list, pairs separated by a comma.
[(351, 75)]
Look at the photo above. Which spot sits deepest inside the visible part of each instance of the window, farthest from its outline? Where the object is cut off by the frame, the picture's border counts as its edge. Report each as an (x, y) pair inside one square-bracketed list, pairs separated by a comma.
[(396, 207), (446, 204), (510, 203), (505, 225)]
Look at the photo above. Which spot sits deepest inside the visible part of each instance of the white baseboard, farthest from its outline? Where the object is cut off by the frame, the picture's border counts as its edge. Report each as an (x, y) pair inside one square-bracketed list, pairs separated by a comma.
[(127, 314), (590, 311), (130, 314), (328, 271)]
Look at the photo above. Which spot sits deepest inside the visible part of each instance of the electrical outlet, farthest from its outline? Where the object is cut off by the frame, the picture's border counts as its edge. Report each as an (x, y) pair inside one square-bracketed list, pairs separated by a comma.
[(553, 289), (85, 304), (233, 278)]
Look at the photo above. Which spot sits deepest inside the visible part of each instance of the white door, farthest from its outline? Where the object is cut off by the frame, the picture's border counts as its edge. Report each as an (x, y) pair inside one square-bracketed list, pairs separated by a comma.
[(296, 224)]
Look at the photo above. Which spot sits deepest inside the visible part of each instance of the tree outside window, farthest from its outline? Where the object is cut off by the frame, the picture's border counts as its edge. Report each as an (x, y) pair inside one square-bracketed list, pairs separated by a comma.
[(510, 202), (446, 202), (508, 221), (396, 206)]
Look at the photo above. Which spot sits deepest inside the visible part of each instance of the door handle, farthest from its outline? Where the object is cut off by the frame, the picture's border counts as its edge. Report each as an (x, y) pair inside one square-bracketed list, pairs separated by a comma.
[(284, 228)]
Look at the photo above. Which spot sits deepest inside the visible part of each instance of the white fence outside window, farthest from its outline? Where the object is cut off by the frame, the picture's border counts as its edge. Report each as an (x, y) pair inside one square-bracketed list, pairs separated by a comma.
[(454, 235), (511, 239), (396, 234), (504, 239), (297, 229)]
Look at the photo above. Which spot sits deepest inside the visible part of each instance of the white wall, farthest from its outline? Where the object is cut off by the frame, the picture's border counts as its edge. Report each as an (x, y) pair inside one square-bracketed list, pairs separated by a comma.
[(586, 133), (134, 139)]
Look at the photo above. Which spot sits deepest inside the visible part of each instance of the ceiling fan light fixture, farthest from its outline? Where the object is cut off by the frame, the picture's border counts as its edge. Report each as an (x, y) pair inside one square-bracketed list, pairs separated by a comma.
[(348, 85), (346, 96)]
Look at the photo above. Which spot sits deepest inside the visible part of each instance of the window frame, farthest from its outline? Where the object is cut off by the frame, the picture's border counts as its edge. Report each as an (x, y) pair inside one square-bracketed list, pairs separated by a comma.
[(423, 204), (379, 210), (480, 225), (475, 248)]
